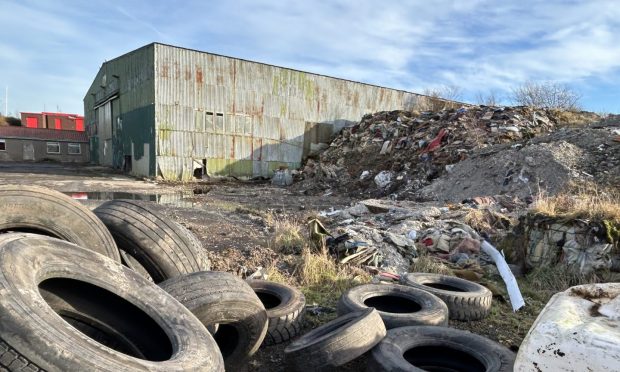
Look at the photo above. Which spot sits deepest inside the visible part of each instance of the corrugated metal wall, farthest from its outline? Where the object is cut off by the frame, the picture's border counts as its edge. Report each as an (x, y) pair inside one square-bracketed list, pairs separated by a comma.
[(127, 82), (247, 118)]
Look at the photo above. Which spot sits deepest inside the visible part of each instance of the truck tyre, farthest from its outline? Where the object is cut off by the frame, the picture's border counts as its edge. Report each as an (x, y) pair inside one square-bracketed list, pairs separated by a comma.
[(466, 300), (398, 305), (65, 308), (337, 342), (38, 210), (164, 248), (224, 300), (428, 348), (285, 309)]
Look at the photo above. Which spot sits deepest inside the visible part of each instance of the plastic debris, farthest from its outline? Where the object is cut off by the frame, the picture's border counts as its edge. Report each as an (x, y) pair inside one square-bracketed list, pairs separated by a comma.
[(516, 299)]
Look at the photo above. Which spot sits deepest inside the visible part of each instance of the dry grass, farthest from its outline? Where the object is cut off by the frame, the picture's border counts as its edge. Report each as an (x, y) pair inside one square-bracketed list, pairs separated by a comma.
[(553, 279), (488, 221), (288, 234), (324, 280), (572, 118), (585, 203), (321, 280), (430, 264)]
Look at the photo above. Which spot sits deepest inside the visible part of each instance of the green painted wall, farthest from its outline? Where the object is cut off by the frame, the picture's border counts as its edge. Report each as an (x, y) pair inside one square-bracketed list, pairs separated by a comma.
[(131, 77)]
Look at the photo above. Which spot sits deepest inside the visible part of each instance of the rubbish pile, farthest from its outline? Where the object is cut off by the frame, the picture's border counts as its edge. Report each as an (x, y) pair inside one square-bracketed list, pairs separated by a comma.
[(402, 151), (125, 288), (391, 236), (544, 164)]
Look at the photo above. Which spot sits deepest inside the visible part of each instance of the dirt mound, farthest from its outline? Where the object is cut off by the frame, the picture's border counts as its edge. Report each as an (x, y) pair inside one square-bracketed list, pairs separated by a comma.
[(399, 152), (546, 164)]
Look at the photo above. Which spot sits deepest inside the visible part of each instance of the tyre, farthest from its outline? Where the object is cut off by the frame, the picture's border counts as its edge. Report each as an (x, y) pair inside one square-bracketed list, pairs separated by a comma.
[(162, 247), (466, 300), (428, 348), (337, 342), (129, 261), (285, 309), (65, 308), (398, 305), (38, 210), (222, 299)]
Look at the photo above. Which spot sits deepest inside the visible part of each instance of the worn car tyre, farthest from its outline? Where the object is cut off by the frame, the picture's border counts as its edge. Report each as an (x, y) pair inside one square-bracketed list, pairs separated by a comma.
[(466, 300), (428, 348), (398, 305), (223, 299), (65, 308), (43, 211), (164, 248), (285, 309), (337, 342)]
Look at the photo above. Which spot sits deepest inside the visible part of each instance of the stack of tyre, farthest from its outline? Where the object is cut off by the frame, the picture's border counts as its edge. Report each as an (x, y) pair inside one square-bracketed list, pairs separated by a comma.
[(123, 289), (406, 328)]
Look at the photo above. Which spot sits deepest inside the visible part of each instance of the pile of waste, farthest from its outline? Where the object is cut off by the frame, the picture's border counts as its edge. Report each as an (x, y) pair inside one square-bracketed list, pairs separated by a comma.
[(399, 152), (545, 164)]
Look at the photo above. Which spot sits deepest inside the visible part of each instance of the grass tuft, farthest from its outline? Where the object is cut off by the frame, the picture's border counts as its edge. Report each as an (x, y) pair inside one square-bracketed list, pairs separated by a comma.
[(559, 278), (587, 204), (430, 264), (288, 237)]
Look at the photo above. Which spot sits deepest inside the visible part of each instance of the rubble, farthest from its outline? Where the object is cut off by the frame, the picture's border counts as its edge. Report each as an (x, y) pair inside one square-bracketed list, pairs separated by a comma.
[(451, 155), (392, 235), (544, 164), (397, 151)]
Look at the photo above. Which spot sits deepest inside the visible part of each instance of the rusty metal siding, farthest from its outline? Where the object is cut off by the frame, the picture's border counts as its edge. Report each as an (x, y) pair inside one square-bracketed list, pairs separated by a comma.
[(247, 118)]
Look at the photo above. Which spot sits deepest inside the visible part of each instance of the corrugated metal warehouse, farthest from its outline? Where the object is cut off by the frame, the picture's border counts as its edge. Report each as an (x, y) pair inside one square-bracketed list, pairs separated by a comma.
[(172, 112)]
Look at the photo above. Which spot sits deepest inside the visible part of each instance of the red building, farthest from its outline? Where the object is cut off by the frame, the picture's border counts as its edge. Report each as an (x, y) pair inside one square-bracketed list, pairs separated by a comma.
[(53, 120)]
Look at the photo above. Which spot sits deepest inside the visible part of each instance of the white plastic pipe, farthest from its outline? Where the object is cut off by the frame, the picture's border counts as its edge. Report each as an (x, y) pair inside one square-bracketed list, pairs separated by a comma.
[(516, 300)]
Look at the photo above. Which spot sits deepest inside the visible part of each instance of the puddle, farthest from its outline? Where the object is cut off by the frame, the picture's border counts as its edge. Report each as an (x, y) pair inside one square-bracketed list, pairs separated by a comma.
[(176, 199)]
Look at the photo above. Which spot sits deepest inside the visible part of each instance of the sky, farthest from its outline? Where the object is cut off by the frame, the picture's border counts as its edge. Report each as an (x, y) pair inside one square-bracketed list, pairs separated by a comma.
[(50, 51)]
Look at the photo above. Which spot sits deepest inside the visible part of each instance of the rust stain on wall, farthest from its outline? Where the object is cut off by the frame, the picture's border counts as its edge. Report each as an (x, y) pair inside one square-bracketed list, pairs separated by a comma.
[(198, 74)]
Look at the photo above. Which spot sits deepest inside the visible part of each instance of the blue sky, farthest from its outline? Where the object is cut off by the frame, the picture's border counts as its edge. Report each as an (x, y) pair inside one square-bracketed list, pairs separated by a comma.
[(51, 50)]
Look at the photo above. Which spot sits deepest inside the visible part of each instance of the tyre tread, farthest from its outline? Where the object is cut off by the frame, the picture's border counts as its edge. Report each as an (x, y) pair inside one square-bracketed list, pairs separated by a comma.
[(12, 360)]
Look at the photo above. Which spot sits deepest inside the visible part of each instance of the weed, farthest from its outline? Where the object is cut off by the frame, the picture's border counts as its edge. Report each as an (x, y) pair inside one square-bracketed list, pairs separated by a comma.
[(288, 234), (323, 280), (584, 203), (552, 279), (429, 264)]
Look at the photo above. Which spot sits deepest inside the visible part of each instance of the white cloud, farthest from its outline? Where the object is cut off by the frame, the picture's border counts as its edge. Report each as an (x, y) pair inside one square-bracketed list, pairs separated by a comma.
[(478, 45)]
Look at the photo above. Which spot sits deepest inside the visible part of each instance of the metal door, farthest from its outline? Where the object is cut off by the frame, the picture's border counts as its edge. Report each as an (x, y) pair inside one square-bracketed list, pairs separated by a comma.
[(28, 151), (104, 123)]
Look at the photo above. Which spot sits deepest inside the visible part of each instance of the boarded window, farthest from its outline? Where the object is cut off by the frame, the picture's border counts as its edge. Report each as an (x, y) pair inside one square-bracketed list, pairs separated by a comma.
[(2, 145), (74, 149), (219, 123), (53, 148), (209, 122)]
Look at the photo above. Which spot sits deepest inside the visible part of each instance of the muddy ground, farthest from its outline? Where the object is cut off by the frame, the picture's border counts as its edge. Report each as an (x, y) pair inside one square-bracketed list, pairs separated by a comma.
[(229, 218)]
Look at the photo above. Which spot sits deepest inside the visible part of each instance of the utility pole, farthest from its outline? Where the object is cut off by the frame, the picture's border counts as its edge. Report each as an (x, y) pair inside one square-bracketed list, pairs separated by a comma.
[(6, 101)]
